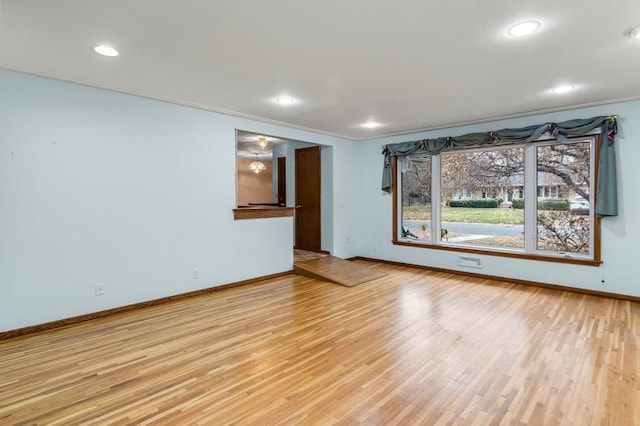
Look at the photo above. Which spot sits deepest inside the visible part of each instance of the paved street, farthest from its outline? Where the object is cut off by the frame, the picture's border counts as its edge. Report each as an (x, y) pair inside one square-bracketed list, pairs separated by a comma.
[(474, 228)]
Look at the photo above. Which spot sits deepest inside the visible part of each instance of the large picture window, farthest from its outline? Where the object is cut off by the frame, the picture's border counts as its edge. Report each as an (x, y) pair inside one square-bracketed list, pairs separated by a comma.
[(530, 200)]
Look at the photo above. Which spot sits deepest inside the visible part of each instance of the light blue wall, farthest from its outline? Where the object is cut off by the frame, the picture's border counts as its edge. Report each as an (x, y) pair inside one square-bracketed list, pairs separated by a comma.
[(620, 235), (326, 199), (102, 187)]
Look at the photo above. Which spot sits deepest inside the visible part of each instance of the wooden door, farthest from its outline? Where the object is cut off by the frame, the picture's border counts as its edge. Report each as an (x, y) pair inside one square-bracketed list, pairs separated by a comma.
[(307, 218), (282, 181)]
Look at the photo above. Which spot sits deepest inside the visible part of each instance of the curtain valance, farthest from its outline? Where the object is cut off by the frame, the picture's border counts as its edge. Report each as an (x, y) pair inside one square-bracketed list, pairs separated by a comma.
[(606, 199)]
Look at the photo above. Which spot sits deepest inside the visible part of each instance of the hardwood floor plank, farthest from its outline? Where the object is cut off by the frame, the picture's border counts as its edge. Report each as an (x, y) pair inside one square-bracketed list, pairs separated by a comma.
[(411, 347), (336, 270)]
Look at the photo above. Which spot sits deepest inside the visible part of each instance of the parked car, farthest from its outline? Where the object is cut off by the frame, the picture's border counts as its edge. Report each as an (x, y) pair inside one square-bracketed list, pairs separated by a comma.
[(579, 205)]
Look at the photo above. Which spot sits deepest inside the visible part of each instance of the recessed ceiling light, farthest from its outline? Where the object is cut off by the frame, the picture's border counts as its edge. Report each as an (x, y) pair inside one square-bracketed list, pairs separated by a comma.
[(633, 32), (523, 28), (284, 100), (371, 124), (563, 89), (106, 50)]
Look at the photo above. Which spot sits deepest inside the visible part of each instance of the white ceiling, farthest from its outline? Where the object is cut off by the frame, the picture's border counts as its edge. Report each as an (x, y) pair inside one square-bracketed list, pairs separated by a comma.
[(408, 64)]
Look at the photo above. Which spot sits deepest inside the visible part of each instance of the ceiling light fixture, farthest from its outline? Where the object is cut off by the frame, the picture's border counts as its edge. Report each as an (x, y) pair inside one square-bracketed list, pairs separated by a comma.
[(106, 50), (563, 89), (284, 100), (371, 124), (522, 29), (633, 32), (257, 166), (262, 142)]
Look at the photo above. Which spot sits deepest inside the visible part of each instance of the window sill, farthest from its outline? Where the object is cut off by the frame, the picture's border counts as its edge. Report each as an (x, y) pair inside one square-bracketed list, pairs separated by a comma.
[(489, 252), (261, 212)]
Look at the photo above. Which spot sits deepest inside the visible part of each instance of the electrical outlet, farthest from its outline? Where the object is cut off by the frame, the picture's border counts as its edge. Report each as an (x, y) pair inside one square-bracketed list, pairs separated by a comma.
[(99, 289), (196, 273)]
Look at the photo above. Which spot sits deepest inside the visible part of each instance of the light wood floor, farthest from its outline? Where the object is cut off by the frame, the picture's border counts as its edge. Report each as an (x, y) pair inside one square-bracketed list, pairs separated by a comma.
[(336, 270), (414, 347), (301, 255)]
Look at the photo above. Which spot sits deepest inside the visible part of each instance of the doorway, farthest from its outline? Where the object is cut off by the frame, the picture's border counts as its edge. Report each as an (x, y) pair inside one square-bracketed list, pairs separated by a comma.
[(308, 234)]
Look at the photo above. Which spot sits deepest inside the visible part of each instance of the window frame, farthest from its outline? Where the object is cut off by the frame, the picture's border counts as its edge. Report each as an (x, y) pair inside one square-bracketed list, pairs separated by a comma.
[(530, 250)]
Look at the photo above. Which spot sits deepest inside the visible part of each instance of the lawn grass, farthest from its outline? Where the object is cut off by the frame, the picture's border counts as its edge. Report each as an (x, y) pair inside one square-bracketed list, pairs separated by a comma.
[(466, 215)]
